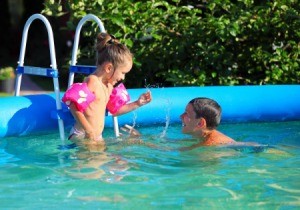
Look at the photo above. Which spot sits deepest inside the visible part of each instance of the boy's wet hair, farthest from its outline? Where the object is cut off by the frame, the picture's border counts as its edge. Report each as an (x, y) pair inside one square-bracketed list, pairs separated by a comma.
[(109, 49), (209, 109)]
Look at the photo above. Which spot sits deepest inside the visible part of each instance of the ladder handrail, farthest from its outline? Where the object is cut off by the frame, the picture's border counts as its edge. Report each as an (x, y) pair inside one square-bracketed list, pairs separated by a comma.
[(76, 40), (50, 38), (53, 64), (78, 30)]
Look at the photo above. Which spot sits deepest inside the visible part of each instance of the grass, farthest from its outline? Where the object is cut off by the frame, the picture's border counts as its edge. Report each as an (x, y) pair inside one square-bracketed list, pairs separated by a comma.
[(2, 94)]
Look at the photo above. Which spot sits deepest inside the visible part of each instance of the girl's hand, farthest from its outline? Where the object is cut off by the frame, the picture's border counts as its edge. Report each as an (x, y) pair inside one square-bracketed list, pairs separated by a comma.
[(130, 130), (90, 136), (145, 98)]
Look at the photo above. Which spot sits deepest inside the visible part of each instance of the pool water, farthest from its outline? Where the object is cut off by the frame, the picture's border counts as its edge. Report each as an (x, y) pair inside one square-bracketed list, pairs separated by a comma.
[(38, 172)]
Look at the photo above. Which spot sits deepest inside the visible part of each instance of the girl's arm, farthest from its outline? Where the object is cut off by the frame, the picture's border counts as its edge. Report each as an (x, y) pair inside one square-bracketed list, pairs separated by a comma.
[(82, 121), (144, 99)]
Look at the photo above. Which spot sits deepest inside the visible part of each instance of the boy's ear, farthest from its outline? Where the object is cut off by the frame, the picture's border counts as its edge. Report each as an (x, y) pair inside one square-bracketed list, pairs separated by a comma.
[(201, 123)]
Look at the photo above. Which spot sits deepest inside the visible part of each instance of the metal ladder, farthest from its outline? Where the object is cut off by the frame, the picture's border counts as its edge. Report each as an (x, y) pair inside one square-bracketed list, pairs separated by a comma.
[(85, 69), (47, 72)]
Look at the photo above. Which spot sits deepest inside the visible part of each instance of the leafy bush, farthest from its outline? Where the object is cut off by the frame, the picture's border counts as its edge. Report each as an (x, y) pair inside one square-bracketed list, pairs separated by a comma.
[(184, 43), (7, 73)]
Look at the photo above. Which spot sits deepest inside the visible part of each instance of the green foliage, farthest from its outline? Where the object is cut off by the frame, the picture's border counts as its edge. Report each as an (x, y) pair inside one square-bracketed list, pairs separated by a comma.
[(184, 43), (7, 73)]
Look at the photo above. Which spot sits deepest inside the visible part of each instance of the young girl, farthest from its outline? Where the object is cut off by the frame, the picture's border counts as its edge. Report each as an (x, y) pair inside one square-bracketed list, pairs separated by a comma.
[(88, 106)]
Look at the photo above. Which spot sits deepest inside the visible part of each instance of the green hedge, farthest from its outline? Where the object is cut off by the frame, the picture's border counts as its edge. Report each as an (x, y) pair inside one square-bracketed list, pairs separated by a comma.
[(184, 43)]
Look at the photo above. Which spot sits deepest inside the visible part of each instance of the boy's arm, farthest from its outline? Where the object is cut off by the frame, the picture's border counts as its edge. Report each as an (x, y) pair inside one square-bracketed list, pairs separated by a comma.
[(134, 138), (190, 147)]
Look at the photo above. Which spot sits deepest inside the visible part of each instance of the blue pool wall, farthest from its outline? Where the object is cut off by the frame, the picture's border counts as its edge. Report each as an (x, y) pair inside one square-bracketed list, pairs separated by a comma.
[(24, 115)]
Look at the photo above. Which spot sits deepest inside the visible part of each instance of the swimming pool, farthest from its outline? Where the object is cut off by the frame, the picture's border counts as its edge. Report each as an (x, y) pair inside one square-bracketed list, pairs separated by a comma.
[(36, 173)]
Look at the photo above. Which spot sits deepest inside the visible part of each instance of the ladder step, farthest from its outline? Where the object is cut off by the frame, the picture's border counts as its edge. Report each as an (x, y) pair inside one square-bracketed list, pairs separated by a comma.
[(47, 72), (83, 69)]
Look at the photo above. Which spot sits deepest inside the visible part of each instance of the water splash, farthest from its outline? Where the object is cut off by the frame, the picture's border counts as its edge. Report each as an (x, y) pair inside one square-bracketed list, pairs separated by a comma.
[(134, 119), (148, 86), (168, 108)]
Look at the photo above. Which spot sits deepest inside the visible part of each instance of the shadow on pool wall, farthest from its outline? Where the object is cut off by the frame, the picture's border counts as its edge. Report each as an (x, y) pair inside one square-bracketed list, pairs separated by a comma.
[(29, 114), (25, 115)]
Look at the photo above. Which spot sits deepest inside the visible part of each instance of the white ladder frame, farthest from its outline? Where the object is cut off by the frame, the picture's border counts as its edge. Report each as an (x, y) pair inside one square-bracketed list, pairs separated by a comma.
[(52, 72)]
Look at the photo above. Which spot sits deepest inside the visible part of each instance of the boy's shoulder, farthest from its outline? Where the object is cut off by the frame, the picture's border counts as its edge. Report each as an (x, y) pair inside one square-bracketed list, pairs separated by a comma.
[(217, 138)]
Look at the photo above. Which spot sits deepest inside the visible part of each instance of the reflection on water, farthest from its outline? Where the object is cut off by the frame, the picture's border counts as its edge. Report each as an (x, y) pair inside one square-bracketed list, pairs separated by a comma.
[(38, 172)]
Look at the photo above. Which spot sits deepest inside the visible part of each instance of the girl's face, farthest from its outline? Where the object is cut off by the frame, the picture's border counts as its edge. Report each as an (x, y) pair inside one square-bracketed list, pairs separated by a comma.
[(189, 121), (118, 74)]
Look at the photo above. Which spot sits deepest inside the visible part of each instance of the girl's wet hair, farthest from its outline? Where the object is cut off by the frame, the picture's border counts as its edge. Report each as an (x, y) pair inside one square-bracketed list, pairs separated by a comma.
[(209, 109), (109, 49)]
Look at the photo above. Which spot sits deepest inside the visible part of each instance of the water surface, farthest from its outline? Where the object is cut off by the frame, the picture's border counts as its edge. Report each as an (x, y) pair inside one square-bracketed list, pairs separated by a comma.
[(36, 173)]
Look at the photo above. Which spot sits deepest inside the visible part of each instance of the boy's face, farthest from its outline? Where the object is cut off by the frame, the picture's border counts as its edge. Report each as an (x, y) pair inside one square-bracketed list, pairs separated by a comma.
[(189, 121)]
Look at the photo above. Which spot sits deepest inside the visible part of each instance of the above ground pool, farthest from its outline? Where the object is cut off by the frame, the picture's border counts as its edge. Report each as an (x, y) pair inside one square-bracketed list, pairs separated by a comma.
[(40, 171), (25, 115)]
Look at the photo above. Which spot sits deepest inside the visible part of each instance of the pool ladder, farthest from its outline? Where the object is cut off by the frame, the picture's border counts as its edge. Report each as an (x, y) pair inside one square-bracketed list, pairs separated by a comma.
[(53, 72), (85, 69), (46, 72)]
